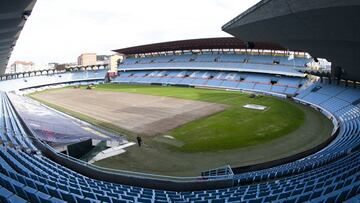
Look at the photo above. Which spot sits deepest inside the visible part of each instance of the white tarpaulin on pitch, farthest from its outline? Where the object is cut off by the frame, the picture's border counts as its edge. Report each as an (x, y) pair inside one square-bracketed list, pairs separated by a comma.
[(254, 106)]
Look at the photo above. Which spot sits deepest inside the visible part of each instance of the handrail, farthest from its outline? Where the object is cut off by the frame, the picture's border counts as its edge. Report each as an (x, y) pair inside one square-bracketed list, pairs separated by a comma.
[(133, 173)]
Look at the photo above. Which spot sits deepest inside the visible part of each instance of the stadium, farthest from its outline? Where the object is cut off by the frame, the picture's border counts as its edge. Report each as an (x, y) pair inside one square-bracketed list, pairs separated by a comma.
[(231, 119)]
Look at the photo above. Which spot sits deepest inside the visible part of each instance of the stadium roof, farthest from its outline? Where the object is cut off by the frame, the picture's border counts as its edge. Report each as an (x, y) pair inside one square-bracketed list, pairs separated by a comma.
[(324, 28), (13, 14), (194, 44)]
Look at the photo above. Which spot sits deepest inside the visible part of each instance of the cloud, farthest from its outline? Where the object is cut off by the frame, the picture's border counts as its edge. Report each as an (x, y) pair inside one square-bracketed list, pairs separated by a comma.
[(60, 30)]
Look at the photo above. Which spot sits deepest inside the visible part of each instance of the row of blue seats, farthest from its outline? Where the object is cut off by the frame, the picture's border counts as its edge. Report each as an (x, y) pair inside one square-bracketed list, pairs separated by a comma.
[(222, 66), (233, 80), (234, 58), (339, 180), (319, 93), (12, 134)]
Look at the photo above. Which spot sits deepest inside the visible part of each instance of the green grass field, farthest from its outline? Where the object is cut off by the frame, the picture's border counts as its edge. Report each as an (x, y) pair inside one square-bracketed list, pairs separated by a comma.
[(233, 128), (236, 136)]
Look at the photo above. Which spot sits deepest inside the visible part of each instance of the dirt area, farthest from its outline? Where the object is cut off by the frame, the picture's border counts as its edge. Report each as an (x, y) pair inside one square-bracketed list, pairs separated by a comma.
[(141, 114)]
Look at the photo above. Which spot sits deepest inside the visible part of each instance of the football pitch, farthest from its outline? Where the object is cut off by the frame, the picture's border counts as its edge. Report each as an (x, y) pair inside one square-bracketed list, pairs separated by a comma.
[(230, 135)]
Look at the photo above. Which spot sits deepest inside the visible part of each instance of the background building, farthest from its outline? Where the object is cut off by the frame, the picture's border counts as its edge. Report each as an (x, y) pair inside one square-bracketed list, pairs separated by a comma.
[(21, 66), (102, 59), (52, 65), (87, 59), (114, 61)]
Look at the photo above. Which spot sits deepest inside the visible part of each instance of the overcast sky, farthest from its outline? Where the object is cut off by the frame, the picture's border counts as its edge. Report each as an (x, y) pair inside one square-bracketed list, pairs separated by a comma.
[(60, 30)]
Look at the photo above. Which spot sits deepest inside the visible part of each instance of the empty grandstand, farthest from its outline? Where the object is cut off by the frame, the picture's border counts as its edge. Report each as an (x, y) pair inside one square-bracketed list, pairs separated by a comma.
[(51, 79), (32, 171), (330, 174), (214, 63)]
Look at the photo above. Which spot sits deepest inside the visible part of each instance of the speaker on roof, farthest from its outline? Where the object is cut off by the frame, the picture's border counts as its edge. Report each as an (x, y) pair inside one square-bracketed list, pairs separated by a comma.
[(250, 45), (339, 72)]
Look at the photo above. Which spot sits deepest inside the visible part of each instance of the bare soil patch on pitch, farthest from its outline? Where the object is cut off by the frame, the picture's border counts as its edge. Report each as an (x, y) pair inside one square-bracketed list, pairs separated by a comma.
[(141, 114)]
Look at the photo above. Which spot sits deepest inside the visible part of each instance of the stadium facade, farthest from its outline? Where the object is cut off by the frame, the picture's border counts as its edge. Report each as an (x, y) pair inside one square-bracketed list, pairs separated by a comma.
[(32, 171)]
